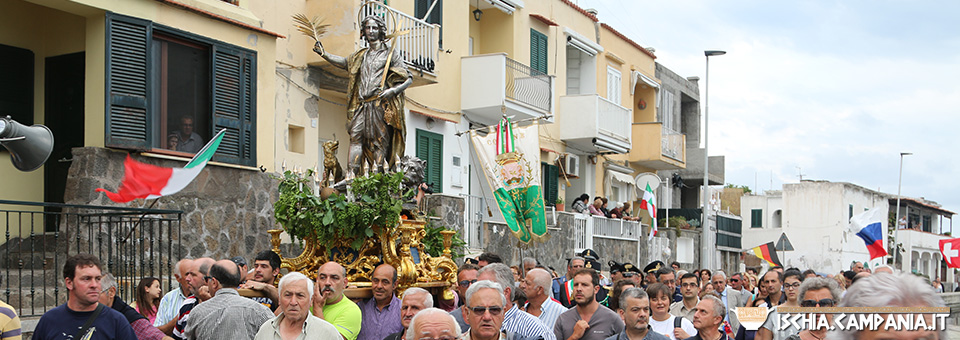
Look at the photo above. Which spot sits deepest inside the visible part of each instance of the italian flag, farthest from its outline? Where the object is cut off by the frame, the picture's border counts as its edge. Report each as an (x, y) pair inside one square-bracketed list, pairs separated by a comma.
[(650, 203), (150, 181)]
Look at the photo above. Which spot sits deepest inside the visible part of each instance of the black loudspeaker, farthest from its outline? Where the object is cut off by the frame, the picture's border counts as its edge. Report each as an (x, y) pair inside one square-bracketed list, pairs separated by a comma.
[(29, 146)]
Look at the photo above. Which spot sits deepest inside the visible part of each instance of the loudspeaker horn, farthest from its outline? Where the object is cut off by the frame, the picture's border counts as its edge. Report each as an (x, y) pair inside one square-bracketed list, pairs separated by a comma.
[(29, 146)]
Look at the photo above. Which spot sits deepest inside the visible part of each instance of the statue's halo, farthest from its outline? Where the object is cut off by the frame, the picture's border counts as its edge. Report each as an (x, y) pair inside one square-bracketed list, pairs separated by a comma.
[(393, 16)]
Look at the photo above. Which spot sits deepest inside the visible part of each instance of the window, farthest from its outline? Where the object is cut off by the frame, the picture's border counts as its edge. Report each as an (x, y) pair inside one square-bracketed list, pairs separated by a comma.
[(613, 85), (667, 114), (538, 51), (728, 232), (436, 15), (756, 218), (850, 211), (181, 120), (173, 90), (430, 149), (551, 187), (16, 89), (927, 224)]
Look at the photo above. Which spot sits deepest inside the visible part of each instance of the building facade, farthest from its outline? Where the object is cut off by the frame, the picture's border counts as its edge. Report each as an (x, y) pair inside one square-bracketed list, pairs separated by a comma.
[(814, 218)]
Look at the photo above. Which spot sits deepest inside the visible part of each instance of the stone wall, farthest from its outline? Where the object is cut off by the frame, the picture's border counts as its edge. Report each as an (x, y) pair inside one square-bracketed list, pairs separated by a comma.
[(449, 210), (226, 211)]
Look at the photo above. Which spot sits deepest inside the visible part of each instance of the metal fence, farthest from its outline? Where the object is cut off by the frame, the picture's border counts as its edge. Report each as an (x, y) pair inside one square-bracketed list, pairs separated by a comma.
[(131, 244), (672, 144), (418, 45), (614, 119), (527, 85)]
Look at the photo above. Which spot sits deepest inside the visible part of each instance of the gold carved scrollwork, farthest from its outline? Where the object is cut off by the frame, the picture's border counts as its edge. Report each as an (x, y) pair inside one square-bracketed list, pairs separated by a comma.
[(430, 272)]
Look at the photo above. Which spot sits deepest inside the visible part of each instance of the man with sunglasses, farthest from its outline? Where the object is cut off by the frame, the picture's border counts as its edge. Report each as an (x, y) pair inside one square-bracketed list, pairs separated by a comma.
[(814, 292), (484, 312), (466, 276)]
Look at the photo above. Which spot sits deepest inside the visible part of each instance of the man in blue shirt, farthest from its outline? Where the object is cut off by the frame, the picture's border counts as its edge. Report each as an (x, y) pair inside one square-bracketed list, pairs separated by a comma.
[(82, 278)]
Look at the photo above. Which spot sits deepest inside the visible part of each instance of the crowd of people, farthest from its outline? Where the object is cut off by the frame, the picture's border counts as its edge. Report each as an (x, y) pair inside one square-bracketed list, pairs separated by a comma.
[(227, 300), (599, 207)]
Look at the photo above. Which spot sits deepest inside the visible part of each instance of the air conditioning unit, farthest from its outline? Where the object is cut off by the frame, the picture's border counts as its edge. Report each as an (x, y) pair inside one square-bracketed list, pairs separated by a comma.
[(571, 164)]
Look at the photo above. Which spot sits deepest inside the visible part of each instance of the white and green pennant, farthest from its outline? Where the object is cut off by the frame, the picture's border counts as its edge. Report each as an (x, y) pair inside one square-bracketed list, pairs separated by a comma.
[(510, 158)]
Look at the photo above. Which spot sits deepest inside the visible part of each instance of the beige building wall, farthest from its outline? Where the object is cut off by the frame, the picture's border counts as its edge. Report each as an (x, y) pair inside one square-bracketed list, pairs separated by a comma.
[(54, 27)]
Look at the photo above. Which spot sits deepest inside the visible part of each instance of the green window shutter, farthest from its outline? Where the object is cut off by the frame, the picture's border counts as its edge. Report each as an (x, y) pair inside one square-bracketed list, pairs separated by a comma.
[(756, 218), (538, 51), (550, 183), (436, 17), (127, 57), (234, 104), (430, 149)]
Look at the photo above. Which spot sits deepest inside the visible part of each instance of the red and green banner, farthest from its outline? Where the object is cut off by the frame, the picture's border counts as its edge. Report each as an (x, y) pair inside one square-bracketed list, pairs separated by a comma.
[(510, 158)]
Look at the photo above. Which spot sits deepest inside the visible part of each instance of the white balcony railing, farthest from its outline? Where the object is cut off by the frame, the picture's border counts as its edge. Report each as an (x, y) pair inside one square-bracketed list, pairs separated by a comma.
[(585, 228), (527, 85), (671, 144), (418, 46), (614, 119)]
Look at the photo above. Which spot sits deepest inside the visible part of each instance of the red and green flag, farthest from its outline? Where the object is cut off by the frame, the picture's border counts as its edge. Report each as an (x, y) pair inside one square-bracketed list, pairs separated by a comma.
[(142, 180)]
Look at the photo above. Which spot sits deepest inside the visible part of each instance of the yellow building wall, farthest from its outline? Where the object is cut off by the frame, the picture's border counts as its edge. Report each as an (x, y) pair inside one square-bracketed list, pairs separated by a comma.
[(52, 28), (46, 32)]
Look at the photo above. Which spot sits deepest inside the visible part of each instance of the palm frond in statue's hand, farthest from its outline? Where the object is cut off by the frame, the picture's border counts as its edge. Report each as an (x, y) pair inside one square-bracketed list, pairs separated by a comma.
[(313, 28)]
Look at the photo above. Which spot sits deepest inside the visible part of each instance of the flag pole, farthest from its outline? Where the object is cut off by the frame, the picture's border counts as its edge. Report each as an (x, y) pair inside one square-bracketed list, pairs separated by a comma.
[(135, 225)]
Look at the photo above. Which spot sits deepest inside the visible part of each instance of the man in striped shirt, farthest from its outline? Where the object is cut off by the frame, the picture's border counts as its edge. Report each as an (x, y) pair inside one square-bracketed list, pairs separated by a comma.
[(515, 320), (9, 323), (170, 304), (539, 303)]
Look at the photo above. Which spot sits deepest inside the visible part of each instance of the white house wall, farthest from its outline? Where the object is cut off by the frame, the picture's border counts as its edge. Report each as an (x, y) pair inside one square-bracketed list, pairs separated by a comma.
[(815, 219)]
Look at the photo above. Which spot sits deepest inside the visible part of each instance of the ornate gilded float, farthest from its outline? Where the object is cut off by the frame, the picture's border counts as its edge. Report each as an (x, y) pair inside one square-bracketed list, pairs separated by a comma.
[(390, 239)]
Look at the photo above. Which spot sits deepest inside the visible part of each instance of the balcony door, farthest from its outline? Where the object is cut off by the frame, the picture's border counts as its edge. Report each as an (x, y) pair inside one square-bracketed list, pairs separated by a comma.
[(581, 72)]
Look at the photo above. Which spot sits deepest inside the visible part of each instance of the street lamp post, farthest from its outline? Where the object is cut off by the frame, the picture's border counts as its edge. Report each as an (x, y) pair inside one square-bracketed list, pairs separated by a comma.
[(896, 250), (706, 237)]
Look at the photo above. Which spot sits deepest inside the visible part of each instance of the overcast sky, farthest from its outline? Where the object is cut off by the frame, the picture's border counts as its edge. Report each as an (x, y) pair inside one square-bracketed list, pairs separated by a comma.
[(836, 88)]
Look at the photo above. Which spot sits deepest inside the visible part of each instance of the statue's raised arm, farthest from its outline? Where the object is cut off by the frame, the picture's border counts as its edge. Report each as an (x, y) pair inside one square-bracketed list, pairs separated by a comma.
[(335, 60)]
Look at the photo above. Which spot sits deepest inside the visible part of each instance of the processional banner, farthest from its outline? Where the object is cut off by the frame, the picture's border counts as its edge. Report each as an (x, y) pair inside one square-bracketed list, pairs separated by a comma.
[(510, 158)]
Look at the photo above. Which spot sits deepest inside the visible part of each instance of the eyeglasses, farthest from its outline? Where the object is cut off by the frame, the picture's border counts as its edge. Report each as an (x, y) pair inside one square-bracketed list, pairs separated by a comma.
[(207, 278), (467, 283), (734, 280), (815, 303), (689, 284), (440, 338), (792, 285), (495, 310)]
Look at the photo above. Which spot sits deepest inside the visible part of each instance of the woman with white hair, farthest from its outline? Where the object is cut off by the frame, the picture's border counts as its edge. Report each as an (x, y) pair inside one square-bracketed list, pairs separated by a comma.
[(891, 290)]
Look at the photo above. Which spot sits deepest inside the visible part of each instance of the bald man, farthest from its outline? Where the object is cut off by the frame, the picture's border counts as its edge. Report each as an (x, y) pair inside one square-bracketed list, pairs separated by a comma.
[(330, 304), (226, 315)]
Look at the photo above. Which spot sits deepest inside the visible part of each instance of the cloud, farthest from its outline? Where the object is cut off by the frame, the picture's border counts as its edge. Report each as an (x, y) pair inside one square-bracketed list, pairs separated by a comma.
[(838, 89)]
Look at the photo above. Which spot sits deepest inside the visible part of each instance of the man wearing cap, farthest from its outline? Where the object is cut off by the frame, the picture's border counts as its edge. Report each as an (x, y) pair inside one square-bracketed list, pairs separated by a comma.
[(650, 273), (631, 272), (573, 265), (567, 291), (616, 271)]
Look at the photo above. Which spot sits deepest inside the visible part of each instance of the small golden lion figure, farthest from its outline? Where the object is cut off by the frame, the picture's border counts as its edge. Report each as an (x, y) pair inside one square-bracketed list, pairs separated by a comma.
[(331, 166)]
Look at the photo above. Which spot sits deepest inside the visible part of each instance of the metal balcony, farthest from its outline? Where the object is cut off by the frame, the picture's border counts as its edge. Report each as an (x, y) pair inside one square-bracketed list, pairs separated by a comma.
[(493, 85), (657, 148)]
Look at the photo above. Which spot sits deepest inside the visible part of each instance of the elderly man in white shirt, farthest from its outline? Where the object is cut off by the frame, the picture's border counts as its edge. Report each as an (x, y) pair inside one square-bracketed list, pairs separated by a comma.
[(295, 320)]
